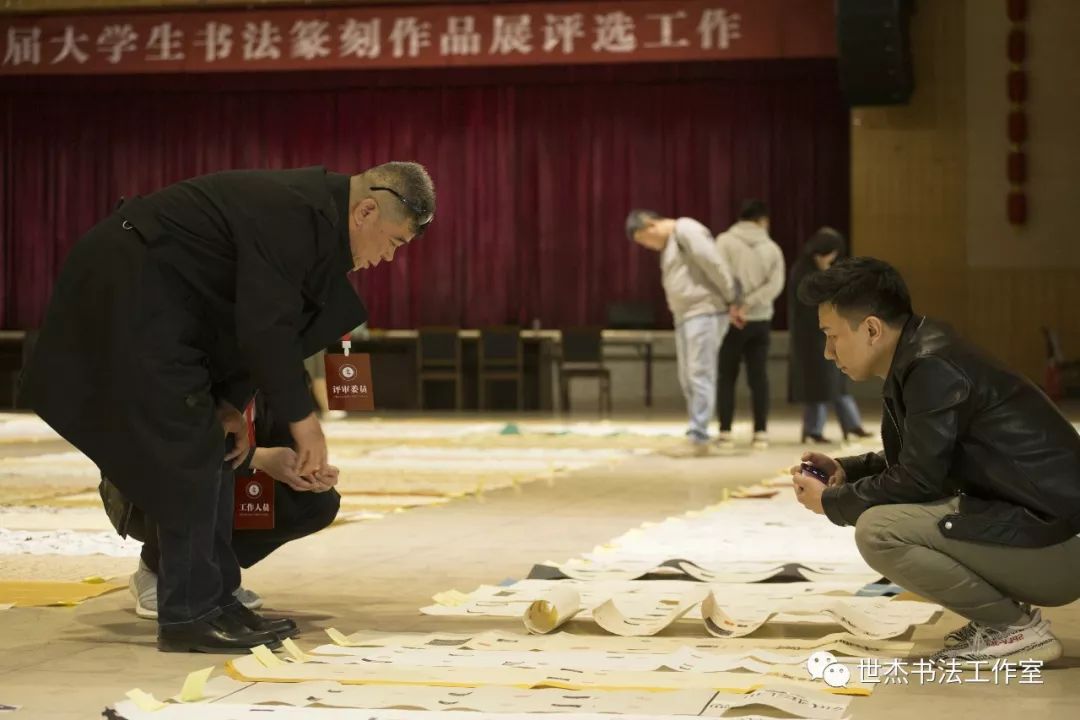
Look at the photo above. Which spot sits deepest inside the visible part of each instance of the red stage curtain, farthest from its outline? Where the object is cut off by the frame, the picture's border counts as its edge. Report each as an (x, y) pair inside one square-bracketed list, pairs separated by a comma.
[(535, 169)]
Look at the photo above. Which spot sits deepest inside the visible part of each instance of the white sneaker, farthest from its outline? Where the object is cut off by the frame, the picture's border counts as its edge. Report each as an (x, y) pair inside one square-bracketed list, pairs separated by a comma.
[(248, 598), (963, 635), (143, 587), (1030, 641), (725, 442), (761, 441)]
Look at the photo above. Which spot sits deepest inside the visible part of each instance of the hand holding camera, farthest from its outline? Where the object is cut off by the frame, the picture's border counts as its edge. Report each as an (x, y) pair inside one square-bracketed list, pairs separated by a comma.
[(821, 467)]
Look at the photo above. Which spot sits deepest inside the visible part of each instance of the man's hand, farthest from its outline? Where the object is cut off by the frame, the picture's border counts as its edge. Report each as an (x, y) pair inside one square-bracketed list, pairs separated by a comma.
[(808, 492), (738, 316), (233, 423), (326, 479), (280, 464), (310, 445), (826, 464)]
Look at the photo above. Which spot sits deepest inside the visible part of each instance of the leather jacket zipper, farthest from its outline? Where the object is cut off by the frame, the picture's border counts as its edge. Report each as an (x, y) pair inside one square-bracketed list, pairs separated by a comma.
[(896, 427)]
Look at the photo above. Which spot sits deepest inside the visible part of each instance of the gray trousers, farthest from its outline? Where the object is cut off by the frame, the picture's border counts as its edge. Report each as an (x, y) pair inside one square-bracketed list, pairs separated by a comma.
[(980, 581)]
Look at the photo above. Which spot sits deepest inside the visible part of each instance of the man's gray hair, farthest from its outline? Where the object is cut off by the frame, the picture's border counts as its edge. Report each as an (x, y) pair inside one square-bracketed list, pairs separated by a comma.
[(409, 179), (637, 220)]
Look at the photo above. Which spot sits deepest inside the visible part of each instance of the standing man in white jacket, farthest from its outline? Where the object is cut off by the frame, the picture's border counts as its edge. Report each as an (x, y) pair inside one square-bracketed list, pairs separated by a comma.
[(700, 290), (758, 262)]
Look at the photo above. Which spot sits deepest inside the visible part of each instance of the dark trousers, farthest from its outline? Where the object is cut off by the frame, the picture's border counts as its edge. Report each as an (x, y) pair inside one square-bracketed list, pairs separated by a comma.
[(752, 344), (296, 515), (198, 571)]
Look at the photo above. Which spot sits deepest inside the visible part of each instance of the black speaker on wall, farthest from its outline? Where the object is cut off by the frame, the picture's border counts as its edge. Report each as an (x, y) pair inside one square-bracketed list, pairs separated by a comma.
[(874, 51)]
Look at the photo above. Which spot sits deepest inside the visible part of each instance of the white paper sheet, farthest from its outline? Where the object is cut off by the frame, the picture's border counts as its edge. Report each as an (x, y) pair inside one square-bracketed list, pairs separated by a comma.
[(717, 536), (721, 622), (482, 699), (642, 619), (794, 700), (839, 642), (512, 600), (129, 711), (722, 572), (683, 659), (548, 613), (249, 668), (67, 542), (811, 704)]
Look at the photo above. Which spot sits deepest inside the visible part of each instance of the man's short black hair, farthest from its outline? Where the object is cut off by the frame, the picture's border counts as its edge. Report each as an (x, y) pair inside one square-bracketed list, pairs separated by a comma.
[(859, 287), (637, 220), (753, 210)]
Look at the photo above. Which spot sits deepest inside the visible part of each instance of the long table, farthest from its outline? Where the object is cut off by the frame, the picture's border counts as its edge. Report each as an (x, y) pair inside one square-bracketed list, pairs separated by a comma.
[(643, 340)]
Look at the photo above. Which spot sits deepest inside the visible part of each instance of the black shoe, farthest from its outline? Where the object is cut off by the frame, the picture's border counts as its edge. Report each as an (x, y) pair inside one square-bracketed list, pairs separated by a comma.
[(857, 432), (223, 634), (281, 627), (817, 439)]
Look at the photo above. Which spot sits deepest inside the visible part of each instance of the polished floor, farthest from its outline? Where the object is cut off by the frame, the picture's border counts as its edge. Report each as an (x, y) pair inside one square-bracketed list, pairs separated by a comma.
[(60, 663)]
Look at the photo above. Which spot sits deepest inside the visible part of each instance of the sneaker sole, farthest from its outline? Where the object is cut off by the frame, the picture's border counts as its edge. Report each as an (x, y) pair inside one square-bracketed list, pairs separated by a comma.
[(1046, 652), (144, 613)]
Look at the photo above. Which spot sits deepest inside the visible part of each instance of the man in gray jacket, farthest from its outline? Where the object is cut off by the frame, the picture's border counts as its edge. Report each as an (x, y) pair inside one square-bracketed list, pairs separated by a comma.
[(700, 289), (758, 262)]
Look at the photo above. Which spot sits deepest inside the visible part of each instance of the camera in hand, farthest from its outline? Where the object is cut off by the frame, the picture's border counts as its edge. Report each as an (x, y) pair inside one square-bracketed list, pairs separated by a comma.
[(808, 469)]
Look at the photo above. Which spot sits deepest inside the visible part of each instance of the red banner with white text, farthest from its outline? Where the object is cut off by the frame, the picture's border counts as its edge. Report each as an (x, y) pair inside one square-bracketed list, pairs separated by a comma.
[(412, 37)]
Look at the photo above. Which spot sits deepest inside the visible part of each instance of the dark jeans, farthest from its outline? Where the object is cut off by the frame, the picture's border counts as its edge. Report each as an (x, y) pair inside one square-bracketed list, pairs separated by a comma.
[(751, 343), (198, 571), (296, 515)]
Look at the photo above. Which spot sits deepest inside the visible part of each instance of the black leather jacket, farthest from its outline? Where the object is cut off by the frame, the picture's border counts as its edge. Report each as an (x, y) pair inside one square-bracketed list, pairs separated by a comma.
[(958, 423)]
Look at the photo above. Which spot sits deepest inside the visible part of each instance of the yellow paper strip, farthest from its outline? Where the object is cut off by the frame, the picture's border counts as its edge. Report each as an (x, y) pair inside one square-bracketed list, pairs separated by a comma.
[(37, 593), (144, 700), (294, 651), (195, 685), (339, 638), (451, 598), (266, 656)]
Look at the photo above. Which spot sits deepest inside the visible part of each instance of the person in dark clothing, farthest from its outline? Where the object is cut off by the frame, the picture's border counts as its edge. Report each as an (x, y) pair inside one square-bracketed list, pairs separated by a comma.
[(813, 380), (165, 318), (758, 264), (975, 501), (302, 506)]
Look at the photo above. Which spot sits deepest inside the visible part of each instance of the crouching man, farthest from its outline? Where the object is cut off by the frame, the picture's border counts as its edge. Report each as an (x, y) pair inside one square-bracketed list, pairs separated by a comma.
[(975, 502)]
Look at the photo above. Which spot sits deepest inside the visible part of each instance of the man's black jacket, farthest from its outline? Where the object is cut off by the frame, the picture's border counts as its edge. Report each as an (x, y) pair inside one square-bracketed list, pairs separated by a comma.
[(956, 422)]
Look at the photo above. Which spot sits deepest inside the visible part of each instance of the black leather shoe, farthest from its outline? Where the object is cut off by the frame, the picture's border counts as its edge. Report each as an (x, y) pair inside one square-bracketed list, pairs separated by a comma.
[(281, 627), (816, 439), (857, 432), (223, 634)]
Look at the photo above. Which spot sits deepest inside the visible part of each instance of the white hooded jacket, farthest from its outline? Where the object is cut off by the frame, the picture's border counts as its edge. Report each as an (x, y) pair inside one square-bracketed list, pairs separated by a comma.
[(757, 263), (696, 278)]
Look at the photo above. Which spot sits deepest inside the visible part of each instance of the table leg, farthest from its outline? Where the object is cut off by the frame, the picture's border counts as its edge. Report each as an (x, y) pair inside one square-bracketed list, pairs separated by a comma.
[(648, 374)]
